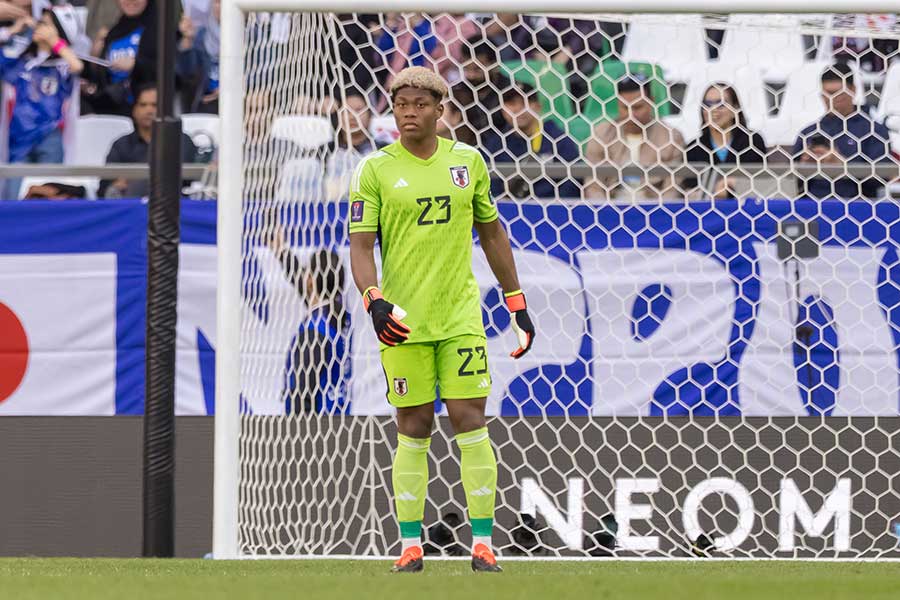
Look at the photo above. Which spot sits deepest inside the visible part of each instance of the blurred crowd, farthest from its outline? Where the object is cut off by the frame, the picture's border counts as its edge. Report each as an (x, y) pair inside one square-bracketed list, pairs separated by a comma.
[(524, 88)]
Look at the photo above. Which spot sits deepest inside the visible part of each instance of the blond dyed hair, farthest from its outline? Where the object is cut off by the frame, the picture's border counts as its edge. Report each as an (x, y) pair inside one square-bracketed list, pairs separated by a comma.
[(419, 78)]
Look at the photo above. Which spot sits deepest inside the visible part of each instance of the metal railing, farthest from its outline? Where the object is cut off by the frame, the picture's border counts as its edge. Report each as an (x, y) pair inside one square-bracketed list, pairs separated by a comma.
[(770, 178)]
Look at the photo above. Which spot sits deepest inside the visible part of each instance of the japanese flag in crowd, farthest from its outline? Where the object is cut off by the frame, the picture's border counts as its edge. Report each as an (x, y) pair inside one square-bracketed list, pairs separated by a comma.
[(57, 334)]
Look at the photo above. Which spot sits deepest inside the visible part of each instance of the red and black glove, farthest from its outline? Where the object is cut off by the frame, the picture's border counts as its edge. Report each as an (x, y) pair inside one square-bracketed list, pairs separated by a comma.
[(386, 318), (521, 322)]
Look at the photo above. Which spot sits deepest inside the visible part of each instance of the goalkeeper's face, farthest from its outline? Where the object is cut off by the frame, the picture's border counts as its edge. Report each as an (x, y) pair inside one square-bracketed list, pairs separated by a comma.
[(416, 112)]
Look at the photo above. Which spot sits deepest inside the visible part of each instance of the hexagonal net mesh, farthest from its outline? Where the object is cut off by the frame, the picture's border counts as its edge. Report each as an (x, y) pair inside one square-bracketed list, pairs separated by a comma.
[(701, 211)]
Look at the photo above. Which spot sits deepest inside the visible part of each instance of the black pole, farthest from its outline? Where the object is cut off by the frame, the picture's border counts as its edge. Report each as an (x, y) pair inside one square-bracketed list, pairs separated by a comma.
[(162, 294)]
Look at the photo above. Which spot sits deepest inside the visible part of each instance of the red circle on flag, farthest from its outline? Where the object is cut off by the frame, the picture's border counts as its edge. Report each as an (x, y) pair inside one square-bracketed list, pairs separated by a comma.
[(13, 352)]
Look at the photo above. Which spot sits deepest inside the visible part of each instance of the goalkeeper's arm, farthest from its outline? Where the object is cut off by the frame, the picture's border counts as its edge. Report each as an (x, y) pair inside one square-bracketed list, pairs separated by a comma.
[(386, 317), (495, 244)]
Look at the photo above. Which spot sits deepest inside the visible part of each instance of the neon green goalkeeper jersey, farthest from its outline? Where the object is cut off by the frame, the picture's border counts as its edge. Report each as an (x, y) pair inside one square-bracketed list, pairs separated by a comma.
[(423, 211)]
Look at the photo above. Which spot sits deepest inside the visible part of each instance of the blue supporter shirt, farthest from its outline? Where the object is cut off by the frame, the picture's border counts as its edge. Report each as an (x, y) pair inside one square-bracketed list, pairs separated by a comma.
[(123, 47), (317, 370), (42, 87), (555, 145), (857, 138)]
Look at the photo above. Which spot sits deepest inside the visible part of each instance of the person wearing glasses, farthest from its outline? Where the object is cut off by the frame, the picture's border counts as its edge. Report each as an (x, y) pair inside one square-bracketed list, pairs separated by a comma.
[(724, 140)]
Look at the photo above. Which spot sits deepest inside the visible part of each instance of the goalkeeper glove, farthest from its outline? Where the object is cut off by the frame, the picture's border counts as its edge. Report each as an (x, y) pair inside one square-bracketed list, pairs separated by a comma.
[(386, 318), (521, 322)]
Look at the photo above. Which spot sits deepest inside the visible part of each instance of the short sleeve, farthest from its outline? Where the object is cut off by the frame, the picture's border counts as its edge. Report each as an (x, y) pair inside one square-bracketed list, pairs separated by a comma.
[(365, 199), (483, 205)]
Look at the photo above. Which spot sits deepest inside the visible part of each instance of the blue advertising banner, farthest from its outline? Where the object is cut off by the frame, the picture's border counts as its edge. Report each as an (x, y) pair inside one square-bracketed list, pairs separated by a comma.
[(675, 309)]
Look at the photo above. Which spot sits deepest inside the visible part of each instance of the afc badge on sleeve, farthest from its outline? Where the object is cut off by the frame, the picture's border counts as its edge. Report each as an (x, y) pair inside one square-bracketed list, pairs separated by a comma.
[(459, 176), (400, 387), (356, 211)]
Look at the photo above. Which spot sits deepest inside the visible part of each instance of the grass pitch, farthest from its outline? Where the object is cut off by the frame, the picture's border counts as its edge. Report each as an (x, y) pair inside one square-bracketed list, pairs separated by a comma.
[(135, 579)]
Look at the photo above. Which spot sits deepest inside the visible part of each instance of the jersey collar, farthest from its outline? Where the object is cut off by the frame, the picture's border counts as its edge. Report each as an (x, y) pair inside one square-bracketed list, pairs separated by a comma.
[(441, 142)]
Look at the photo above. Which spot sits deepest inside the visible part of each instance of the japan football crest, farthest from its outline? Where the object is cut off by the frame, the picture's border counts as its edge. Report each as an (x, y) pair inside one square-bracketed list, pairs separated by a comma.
[(400, 387), (459, 176)]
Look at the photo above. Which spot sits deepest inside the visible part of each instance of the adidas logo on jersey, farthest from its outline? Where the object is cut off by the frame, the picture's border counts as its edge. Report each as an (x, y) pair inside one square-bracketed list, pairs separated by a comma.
[(400, 183), (406, 496), (482, 491), (484, 383)]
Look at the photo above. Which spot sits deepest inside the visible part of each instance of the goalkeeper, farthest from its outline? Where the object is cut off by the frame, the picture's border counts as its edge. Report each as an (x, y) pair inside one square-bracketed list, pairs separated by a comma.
[(421, 196)]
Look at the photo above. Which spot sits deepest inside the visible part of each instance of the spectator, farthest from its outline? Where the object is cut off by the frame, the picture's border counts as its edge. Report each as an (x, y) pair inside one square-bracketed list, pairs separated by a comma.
[(871, 53), (41, 67), (453, 32), (198, 60), (135, 147), (482, 85), (260, 145), (580, 45), (317, 369), (11, 12), (526, 136), (725, 139), (819, 151), (453, 126), (512, 35), (637, 137), (108, 89), (356, 50), (353, 142), (101, 16), (407, 39), (52, 190), (855, 137)]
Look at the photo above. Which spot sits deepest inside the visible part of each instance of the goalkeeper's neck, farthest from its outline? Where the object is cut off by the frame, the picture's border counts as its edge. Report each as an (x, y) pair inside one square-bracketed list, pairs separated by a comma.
[(422, 147)]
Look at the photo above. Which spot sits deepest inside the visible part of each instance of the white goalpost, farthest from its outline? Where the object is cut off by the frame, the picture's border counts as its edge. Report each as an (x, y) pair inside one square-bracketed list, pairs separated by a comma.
[(717, 367)]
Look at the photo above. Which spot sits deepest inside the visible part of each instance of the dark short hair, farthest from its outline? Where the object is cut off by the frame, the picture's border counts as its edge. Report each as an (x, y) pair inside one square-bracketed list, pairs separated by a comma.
[(634, 83), (141, 88), (477, 46), (839, 72), (521, 91), (818, 140), (355, 91)]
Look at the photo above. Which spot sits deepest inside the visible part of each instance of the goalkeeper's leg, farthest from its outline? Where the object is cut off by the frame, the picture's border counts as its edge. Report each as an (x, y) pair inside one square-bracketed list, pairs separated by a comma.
[(410, 479), (409, 369), (479, 476)]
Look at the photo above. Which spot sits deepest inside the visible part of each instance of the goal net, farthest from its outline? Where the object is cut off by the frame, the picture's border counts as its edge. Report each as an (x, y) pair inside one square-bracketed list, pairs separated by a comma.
[(702, 212)]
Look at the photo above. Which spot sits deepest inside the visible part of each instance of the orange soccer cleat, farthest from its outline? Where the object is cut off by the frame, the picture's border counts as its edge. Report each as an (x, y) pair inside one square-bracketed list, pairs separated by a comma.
[(483, 560), (410, 561)]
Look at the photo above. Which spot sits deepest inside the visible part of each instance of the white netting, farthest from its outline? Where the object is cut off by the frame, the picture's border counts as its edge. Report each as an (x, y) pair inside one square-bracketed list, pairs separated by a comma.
[(718, 306)]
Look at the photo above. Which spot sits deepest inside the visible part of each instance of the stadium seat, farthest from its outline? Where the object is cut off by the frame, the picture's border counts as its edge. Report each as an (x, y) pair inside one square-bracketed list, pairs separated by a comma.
[(801, 105), (746, 80), (300, 180), (308, 132), (94, 136), (677, 42), (203, 129), (769, 41)]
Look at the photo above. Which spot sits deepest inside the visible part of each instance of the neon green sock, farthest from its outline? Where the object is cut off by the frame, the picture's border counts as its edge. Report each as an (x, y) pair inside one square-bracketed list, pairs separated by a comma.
[(479, 477), (410, 478)]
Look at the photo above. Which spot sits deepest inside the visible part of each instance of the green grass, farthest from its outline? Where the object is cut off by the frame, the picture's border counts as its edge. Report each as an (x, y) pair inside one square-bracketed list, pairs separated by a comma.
[(134, 579)]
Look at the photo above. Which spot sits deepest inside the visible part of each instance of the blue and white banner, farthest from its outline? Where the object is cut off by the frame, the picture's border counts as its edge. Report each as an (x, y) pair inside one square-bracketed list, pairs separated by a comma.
[(681, 309)]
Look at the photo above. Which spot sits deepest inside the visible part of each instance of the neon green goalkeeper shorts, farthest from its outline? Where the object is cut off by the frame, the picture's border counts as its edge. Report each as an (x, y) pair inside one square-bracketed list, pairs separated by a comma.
[(458, 366)]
